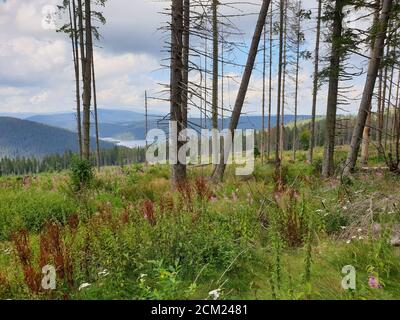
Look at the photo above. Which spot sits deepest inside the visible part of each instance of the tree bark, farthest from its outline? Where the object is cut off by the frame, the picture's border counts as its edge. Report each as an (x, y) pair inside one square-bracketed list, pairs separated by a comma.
[(177, 29), (87, 81), (96, 120), (74, 39), (365, 142), (271, 28), (367, 129), (315, 85), (220, 168), (279, 93), (296, 94), (373, 69), (282, 132), (186, 48), (328, 167), (263, 97), (215, 64)]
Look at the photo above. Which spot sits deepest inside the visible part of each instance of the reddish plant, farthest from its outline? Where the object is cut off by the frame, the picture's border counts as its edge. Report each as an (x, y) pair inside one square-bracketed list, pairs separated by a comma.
[(73, 223), (185, 190), (149, 212), (167, 203), (125, 216), (32, 277), (202, 189), (293, 223), (54, 250)]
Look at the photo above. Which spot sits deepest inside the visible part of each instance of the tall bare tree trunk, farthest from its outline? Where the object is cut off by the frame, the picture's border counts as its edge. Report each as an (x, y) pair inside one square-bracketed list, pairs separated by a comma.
[(96, 118), (315, 84), (296, 94), (220, 168), (379, 122), (74, 39), (271, 30), (365, 142), (279, 93), (87, 81), (367, 129), (177, 30), (263, 97), (186, 48), (83, 57), (389, 100), (282, 132), (328, 167), (222, 80), (215, 64), (373, 69)]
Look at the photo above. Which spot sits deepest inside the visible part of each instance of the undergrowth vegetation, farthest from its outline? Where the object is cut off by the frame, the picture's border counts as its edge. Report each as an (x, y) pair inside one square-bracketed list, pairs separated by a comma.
[(125, 233)]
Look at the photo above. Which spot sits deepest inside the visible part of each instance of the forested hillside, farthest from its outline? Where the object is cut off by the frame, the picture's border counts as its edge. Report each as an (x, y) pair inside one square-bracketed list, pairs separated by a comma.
[(22, 138)]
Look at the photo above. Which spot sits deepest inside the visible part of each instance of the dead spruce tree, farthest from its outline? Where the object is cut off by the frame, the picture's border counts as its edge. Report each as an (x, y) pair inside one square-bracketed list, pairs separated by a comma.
[(373, 69), (220, 168), (176, 87), (82, 32), (336, 15), (315, 84)]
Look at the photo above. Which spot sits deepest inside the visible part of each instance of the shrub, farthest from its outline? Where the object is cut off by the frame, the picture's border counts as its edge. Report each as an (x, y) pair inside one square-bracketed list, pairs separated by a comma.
[(81, 174)]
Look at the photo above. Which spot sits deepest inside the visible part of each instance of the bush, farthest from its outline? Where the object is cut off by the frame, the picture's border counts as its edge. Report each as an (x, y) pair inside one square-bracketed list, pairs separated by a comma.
[(81, 174)]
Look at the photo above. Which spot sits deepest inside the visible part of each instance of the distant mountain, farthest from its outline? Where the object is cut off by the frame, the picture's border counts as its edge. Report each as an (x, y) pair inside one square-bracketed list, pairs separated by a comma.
[(128, 125), (68, 120), (22, 138), (137, 130), (16, 115)]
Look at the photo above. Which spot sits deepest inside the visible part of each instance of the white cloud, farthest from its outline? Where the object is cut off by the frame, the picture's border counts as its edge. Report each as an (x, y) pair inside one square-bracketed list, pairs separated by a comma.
[(36, 72)]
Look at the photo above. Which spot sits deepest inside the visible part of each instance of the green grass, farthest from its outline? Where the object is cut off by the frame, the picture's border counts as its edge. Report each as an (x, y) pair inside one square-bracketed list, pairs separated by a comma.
[(137, 238)]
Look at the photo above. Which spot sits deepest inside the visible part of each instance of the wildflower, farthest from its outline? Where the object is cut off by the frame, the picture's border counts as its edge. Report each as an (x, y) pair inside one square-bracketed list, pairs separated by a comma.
[(348, 241), (84, 285), (213, 199), (373, 283), (234, 196), (359, 230), (215, 294), (360, 238), (104, 273), (343, 227)]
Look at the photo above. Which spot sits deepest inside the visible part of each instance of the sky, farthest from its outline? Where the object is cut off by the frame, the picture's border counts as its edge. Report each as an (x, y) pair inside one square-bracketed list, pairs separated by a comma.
[(36, 67)]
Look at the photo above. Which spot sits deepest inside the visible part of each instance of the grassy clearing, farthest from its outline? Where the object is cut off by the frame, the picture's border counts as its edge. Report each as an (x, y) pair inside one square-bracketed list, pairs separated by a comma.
[(130, 236)]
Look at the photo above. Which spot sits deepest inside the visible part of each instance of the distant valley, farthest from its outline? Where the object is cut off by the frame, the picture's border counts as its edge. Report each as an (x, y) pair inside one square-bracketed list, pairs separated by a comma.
[(39, 135)]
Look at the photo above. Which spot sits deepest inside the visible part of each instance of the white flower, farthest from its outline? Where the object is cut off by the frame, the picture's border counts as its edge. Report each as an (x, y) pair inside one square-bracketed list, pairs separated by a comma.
[(215, 294), (359, 230), (104, 273), (348, 241), (84, 285), (353, 237), (360, 238), (343, 227)]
